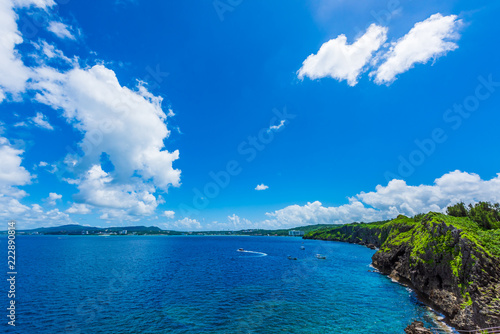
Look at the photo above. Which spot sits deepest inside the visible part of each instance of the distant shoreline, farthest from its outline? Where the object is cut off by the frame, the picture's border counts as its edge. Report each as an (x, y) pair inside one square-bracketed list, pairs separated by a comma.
[(75, 229), (154, 235)]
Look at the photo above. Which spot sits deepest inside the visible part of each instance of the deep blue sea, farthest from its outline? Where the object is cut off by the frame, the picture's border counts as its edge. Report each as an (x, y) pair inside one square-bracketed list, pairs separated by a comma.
[(199, 284)]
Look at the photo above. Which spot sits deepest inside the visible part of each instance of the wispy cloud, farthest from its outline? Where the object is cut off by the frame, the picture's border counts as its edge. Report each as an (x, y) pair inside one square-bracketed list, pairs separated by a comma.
[(278, 127), (61, 30), (41, 121)]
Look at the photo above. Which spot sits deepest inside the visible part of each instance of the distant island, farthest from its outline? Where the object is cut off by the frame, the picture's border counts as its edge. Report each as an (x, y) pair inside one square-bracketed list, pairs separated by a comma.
[(452, 261), (75, 229)]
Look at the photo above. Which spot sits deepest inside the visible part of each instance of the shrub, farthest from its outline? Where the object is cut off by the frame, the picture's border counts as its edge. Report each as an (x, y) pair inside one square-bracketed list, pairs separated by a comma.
[(485, 214)]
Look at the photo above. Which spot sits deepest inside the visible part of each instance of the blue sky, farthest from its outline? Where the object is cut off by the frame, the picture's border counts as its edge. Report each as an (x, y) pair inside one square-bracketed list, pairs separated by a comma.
[(121, 112)]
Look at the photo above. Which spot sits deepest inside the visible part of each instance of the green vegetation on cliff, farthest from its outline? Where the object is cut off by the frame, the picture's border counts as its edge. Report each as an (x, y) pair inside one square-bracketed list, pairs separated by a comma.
[(452, 260), (485, 214), (400, 230)]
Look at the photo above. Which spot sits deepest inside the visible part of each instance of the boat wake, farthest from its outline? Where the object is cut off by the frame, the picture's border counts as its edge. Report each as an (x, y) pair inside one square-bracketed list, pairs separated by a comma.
[(259, 254)]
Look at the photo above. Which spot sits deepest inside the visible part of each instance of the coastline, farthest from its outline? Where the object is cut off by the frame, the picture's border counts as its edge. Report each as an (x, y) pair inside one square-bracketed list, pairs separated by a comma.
[(444, 259), (443, 323)]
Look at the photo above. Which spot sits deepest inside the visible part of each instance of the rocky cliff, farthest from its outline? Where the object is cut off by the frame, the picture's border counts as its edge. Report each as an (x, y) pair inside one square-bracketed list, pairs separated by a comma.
[(452, 263)]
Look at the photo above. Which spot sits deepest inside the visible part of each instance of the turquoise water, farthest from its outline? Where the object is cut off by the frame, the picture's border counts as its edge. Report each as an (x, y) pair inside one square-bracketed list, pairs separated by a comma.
[(190, 284)]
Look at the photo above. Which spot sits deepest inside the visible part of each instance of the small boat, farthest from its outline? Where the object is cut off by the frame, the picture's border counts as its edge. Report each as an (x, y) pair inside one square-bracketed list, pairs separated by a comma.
[(321, 257), (291, 258), (302, 247), (241, 250)]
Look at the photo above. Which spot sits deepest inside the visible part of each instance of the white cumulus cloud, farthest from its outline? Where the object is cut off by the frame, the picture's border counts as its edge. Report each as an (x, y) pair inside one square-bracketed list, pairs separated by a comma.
[(12, 176), (99, 189), (261, 187), (53, 198), (316, 213), (447, 190), (169, 214), (429, 39), (342, 61), (13, 73), (128, 125), (78, 208), (389, 201), (185, 224), (11, 171)]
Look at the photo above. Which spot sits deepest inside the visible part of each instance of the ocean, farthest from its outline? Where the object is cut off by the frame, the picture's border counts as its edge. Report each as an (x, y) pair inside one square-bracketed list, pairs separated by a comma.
[(202, 284)]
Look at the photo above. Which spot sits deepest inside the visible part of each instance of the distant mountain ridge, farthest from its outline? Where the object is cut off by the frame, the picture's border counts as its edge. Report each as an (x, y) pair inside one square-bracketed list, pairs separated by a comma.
[(75, 228), (79, 229)]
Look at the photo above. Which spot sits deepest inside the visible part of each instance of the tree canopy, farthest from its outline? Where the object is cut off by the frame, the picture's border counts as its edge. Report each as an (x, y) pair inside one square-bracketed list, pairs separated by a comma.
[(486, 214)]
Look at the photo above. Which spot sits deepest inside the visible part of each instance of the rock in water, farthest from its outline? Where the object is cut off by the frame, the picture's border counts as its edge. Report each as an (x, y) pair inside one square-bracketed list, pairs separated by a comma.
[(417, 327)]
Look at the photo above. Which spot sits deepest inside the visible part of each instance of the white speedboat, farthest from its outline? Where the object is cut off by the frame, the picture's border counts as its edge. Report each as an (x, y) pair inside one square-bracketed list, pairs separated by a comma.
[(321, 257)]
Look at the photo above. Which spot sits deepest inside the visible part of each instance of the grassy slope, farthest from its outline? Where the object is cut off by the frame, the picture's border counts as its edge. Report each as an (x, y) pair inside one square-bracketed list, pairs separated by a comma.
[(402, 229)]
